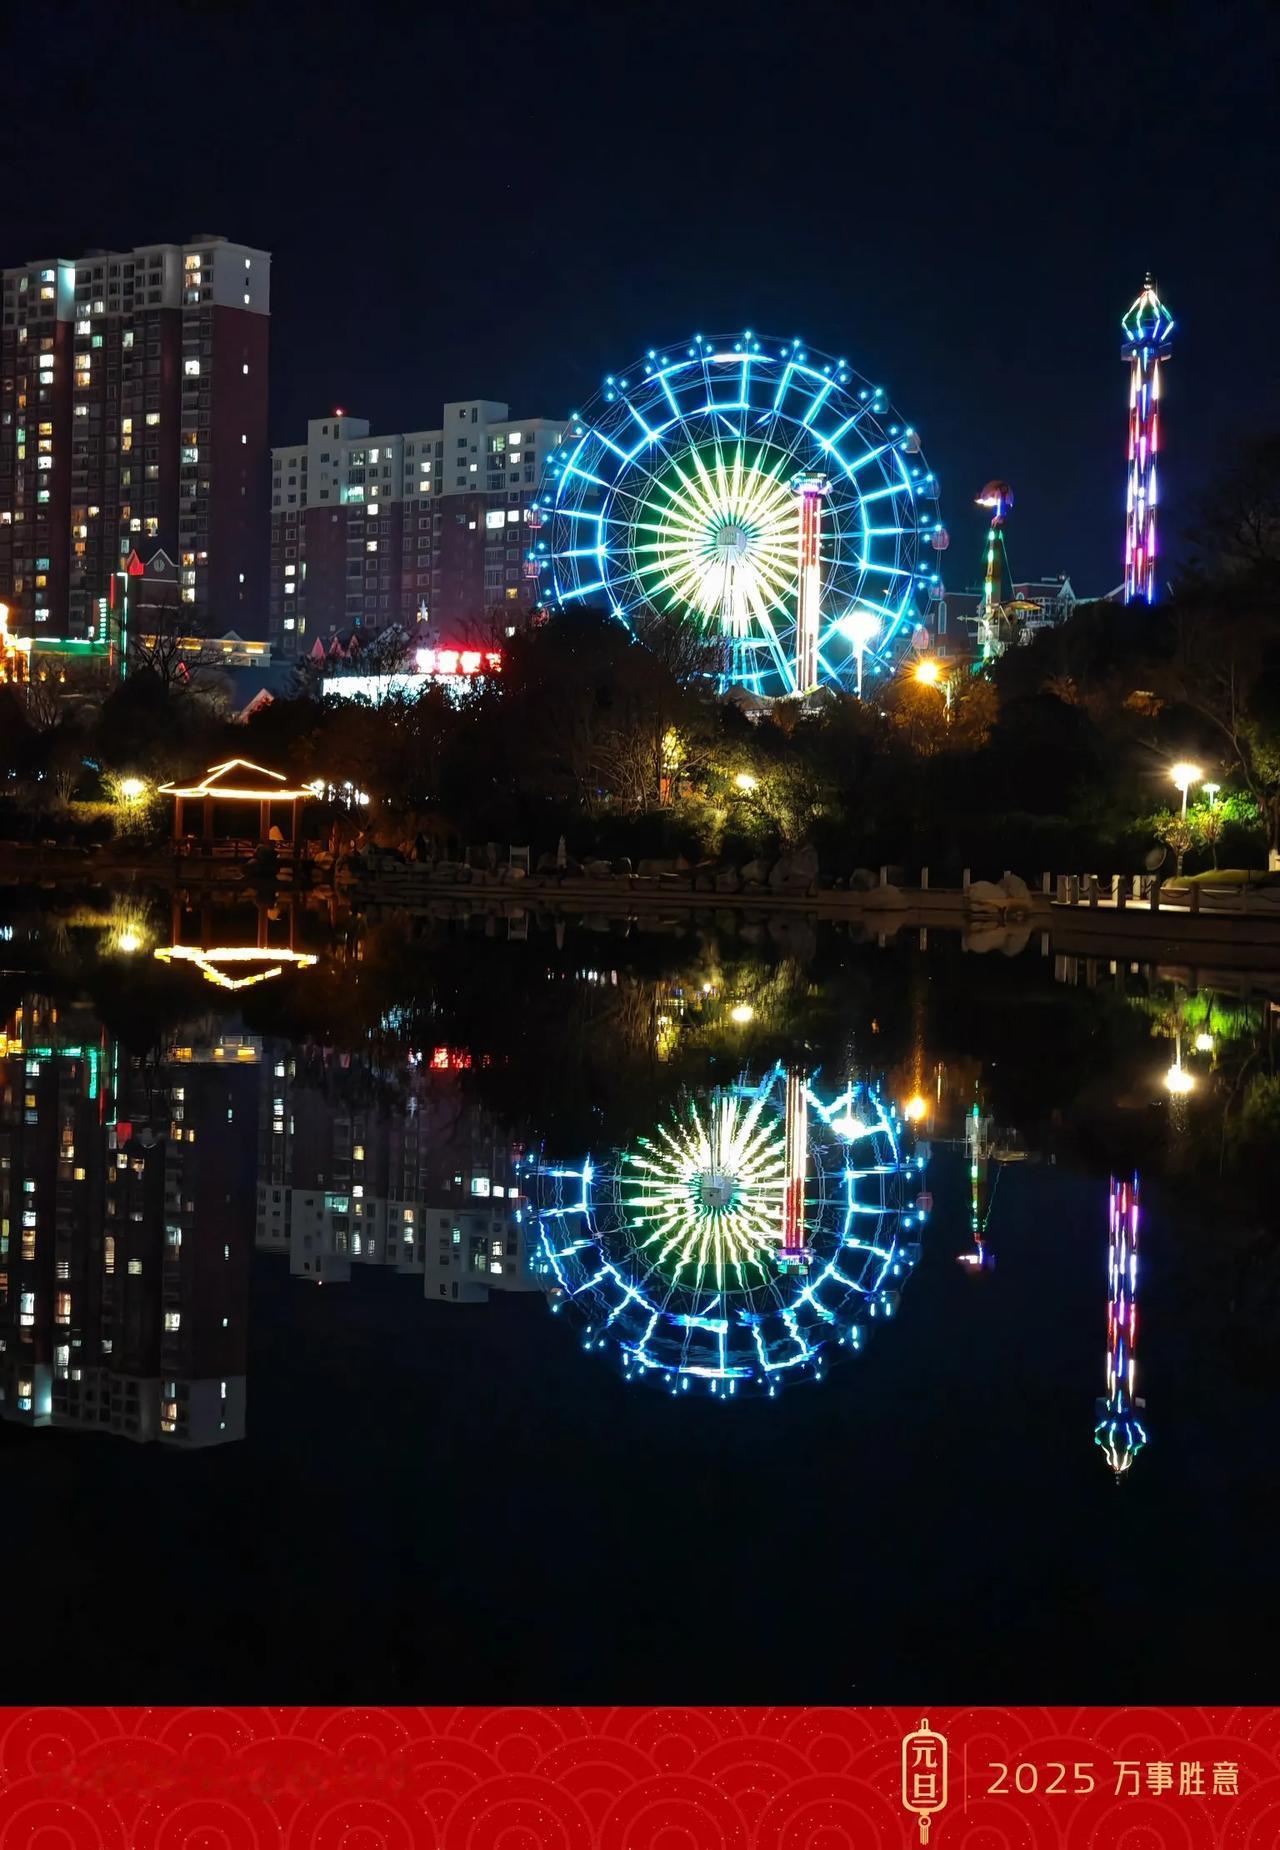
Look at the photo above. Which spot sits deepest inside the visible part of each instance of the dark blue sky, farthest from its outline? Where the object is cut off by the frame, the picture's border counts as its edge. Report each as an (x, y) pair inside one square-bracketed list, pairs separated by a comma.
[(514, 200)]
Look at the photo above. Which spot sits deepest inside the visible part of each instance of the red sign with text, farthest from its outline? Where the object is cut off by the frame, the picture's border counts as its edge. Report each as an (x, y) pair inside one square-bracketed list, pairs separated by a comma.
[(637, 1779)]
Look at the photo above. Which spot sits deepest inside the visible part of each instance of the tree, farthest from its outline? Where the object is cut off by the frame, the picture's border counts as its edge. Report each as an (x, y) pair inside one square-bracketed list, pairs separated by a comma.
[(155, 638), (1225, 669), (929, 720), (1177, 831), (1238, 529)]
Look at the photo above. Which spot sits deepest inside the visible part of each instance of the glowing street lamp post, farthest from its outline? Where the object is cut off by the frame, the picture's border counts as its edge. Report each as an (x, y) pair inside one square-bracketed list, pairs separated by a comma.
[(1178, 1080), (928, 674), (860, 626), (1184, 776)]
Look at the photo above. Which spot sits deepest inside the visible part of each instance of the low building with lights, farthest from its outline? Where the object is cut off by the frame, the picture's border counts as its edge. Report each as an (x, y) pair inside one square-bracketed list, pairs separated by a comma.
[(453, 669)]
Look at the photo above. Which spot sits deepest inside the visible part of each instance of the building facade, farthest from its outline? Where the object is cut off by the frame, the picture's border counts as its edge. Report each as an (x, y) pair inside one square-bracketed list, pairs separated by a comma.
[(430, 1188), (133, 415), (126, 1204), (424, 527)]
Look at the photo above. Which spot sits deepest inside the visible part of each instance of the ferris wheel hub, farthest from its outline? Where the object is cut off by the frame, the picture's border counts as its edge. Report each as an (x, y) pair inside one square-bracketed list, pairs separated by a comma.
[(716, 1189), (733, 543)]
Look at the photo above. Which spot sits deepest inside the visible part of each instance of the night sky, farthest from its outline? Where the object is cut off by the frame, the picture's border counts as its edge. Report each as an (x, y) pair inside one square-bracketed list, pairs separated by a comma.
[(510, 201)]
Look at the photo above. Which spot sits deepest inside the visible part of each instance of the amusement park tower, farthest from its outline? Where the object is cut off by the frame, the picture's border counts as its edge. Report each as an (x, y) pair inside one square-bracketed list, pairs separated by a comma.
[(992, 622), (809, 490), (1117, 1428), (1148, 337)]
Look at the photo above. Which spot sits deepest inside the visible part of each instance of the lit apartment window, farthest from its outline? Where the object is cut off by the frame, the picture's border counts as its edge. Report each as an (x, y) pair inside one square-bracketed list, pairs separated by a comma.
[(173, 1320)]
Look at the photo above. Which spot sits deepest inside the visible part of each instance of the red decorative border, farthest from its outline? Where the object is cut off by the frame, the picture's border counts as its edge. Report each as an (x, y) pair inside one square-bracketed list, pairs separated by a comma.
[(634, 1779)]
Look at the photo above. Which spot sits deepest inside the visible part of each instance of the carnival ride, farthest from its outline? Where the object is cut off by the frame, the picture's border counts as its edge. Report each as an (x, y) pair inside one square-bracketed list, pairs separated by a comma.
[(995, 625), (1117, 1428), (760, 1225), (758, 489), (1148, 341)]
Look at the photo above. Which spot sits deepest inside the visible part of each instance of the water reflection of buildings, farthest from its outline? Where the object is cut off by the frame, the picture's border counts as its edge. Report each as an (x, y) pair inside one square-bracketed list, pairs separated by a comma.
[(360, 1166), (125, 1203), (1118, 1430)]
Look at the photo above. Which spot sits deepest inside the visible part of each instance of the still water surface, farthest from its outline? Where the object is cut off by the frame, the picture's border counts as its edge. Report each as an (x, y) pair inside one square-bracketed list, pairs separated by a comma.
[(468, 1308)]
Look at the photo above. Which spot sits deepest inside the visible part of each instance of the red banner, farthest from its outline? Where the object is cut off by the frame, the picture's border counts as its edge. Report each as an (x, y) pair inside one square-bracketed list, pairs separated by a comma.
[(637, 1779)]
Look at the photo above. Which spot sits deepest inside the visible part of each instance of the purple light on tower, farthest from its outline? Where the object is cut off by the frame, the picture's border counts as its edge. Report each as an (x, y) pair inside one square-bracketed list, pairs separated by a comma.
[(1148, 338)]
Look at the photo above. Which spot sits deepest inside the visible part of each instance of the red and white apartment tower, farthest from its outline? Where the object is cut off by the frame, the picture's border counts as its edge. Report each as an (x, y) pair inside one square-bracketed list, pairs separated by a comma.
[(133, 417)]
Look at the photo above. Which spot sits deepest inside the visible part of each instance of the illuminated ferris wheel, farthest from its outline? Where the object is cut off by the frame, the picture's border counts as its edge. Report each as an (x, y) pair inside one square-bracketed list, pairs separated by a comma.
[(758, 489), (758, 1226)]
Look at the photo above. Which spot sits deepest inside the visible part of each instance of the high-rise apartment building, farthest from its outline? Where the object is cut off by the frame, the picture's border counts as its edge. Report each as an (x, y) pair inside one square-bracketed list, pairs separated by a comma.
[(133, 415), (126, 1204), (425, 526)]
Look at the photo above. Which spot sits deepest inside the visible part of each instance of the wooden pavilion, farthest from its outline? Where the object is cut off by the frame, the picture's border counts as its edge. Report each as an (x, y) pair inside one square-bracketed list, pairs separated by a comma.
[(242, 783)]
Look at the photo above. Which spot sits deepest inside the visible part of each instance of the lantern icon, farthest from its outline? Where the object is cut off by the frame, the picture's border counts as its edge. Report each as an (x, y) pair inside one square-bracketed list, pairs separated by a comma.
[(924, 1774)]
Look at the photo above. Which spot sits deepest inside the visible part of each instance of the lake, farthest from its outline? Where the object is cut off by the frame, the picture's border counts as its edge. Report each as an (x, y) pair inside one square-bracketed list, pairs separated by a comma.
[(458, 1308)]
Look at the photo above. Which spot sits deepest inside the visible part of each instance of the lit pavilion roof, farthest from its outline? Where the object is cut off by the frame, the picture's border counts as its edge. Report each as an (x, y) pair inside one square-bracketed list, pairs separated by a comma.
[(243, 782), (211, 961)]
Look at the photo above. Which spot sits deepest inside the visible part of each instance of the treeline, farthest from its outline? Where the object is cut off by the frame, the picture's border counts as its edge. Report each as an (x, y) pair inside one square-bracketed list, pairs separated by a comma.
[(1059, 758)]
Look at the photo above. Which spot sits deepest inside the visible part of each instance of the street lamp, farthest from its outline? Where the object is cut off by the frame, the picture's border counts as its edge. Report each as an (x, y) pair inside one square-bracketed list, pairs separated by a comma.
[(1211, 791), (741, 1013), (1178, 1080), (132, 789), (915, 1108), (860, 626), (929, 674), (745, 781), (1184, 775)]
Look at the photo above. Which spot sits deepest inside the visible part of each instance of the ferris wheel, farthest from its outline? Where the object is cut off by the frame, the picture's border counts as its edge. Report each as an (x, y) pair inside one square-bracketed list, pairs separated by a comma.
[(756, 1227), (759, 489)]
